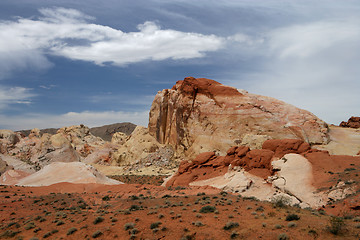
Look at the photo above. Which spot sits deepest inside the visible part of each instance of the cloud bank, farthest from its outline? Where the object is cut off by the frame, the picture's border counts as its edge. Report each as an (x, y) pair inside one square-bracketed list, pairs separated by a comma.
[(26, 43)]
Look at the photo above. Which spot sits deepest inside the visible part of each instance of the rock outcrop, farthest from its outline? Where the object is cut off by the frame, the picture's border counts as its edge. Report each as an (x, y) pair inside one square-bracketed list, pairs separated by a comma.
[(75, 172), (137, 146), (353, 122), (282, 168), (200, 115)]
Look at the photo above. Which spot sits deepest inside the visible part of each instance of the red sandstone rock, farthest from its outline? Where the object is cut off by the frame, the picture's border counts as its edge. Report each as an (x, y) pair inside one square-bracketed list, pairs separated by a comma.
[(353, 122), (284, 146), (199, 115)]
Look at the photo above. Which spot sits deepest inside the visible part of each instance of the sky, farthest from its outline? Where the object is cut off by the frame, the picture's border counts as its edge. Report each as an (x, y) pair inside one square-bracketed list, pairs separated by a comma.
[(90, 62)]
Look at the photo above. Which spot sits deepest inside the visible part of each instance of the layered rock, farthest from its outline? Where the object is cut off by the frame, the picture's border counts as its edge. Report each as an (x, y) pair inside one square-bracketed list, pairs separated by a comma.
[(200, 115), (353, 122)]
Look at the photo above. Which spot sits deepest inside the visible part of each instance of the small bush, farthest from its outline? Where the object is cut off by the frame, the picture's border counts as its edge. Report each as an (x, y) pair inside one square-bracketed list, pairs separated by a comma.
[(291, 225), (106, 198), (29, 226), (280, 201), (283, 236), (234, 234), (336, 225), (97, 234), (98, 220), (292, 217), (198, 224), (155, 225), (230, 225), (277, 226), (128, 226), (71, 231), (207, 209)]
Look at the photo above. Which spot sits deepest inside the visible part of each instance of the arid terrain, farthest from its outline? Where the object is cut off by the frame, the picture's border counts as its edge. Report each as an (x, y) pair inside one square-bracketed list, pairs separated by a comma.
[(215, 162)]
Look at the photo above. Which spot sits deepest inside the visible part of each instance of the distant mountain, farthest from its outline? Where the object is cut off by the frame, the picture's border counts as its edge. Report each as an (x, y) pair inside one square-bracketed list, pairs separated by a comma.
[(105, 132)]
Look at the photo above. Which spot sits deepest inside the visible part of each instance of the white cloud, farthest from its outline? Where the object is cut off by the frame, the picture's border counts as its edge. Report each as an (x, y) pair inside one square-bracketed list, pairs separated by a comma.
[(88, 118), (14, 95), (313, 66), (25, 43)]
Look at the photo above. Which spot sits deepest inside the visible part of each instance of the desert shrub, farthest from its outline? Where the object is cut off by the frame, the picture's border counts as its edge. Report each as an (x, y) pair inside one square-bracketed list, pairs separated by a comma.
[(234, 234), (283, 236), (292, 217), (97, 234), (71, 231), (280, 201), (9, 234), (106, 198), (29, 226), (336, 224), (155, 225), (129, 225), (291, 225), (98, 220), (207, 209), (230, 225), (198, 224), (277, 226), (46, 235), (134, 207)]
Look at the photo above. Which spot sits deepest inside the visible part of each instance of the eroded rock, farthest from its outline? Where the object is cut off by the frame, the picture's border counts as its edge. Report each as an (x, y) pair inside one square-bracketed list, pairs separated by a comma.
[(201, 115)]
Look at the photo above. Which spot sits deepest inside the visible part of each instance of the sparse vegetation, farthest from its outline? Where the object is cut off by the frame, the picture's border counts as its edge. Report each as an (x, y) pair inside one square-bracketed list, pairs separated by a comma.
[(292, 217), (230, 225), (336, 225), (207, 209)]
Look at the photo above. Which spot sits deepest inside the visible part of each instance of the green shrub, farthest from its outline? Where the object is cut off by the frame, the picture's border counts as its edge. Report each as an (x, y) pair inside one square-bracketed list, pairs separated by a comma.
[(292, 217), (281, 201), (291, 225), (155, 225), (128, 226), (207, 209), (283, 236), (71, 231), (336, 224), (230, 225), (29, 226), (198, 224), (98, 220), (97, 234)]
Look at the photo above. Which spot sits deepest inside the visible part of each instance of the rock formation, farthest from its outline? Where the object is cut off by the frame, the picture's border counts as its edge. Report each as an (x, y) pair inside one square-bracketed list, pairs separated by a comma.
[(353, 122), (138, 146), (75, 172), (283, 167), (200, 115)]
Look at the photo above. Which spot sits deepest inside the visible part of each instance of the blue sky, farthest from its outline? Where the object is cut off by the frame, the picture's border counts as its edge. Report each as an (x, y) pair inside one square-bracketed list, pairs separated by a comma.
[(99, 62)]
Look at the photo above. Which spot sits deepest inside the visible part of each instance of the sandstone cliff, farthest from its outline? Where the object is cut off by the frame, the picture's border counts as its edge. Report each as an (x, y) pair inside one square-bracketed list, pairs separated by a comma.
[(200, 115)]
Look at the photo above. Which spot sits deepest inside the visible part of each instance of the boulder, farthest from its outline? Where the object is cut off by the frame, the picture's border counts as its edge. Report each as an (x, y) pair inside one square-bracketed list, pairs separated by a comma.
[(353, 122), (284, 146), (9, 137), (202, 115)]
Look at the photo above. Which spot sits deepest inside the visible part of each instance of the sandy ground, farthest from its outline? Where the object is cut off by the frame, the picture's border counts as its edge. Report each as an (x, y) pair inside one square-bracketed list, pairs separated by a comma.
[(89, 211)]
